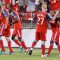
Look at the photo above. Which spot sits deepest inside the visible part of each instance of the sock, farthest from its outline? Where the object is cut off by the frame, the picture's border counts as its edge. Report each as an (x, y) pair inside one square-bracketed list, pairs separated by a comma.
[(50, 48), (59, 48), (43, 49), (23, 45), (2, 45), (17, 42), (33, 44), (9, 46)]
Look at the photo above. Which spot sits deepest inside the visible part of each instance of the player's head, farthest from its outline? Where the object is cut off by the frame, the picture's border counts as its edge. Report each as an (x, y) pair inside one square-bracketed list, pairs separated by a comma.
[(44, 7)]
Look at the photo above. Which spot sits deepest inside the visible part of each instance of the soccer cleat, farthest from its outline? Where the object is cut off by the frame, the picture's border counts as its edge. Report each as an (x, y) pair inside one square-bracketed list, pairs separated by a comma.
[(10, 53), (21, 49), (30, 52), (47, 54), (2, 52), (26, 52), (44, 56)]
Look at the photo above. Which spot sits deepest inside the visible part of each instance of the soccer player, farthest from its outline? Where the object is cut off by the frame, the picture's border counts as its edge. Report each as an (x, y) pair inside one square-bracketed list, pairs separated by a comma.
[(55, 35), (41, 30), (5, 22), (1, 33), (17, 29)]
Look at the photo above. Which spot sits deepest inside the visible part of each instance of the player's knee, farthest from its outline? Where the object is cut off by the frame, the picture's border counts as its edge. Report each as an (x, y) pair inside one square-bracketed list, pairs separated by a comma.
[(43, 43), (20, 39), (13, 37), (56, 43), (51, 42)]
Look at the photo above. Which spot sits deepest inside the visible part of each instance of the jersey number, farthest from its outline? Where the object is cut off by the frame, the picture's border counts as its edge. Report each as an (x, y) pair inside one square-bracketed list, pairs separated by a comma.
[(41, 20)]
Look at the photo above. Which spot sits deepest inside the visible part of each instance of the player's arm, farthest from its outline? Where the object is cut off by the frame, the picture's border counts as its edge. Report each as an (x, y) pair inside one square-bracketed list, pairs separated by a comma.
[(54, 17), (15, 17), (5, 14), (50, 18), (7, 21)]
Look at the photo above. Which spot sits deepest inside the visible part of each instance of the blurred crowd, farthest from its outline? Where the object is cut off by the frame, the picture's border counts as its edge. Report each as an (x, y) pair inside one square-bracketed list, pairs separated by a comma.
[(27, 8)]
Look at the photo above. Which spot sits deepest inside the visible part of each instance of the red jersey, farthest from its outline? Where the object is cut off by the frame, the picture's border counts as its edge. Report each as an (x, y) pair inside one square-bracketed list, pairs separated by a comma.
[(1, 30), (15, 18), (54, 26), (42, 23), (4, 15)]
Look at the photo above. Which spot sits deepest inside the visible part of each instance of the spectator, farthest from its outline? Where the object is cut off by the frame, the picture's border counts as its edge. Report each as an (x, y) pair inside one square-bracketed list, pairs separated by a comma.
[(31, 6), (22, 7), (38, 4)]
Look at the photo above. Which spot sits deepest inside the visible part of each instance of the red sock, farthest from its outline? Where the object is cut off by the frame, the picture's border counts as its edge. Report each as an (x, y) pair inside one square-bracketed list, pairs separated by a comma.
[(33, 44), (23, 45), (9, 46), (17, 42), (59, 48), (43, 49), (50, 48), (2, 45)]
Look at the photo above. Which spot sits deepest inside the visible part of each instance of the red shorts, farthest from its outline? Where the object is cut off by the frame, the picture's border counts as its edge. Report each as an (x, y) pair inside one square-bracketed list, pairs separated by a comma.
[(40, 36), (17, 33), (17, 26), (55, 36), (6, 32)]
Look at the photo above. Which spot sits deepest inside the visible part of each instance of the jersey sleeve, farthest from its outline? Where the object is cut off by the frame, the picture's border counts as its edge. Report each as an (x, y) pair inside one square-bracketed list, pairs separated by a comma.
[(48, 17), (14, 15), (4, 13)]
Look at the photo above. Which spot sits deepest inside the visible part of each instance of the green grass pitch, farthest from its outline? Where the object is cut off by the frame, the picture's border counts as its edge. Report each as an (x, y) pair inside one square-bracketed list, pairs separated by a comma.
[(35, 56)]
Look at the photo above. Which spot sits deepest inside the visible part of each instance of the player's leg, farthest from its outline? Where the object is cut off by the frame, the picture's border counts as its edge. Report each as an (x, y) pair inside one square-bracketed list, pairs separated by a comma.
[(43, 39), (16, 40), (50, 47), (51, 43), (2, 46), (9, 45), (43, 48), (57, 42), (34, 42), (19, 35), (7, 36)]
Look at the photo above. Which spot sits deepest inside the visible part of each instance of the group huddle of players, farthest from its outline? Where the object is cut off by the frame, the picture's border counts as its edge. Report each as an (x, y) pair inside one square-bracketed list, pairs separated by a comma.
[(8, 17), (44, 21), (47, 21)]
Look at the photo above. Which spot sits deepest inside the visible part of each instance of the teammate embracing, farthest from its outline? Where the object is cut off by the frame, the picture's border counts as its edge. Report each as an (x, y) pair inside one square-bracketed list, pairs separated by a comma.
[(41, 30), (17, 29)]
